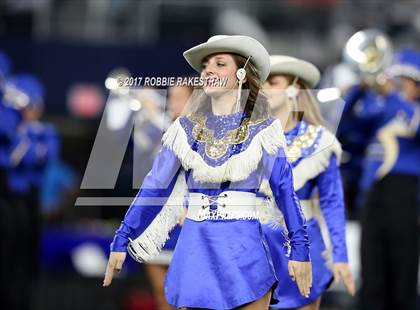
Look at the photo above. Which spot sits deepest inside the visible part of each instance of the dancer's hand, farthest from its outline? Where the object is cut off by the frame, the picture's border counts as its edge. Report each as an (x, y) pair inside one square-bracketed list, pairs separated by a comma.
[(342, 271), (115, 262), (301, 272)]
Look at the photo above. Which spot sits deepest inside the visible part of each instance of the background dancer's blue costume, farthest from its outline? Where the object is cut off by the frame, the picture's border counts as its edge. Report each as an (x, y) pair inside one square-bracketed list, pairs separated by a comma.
[(314, 154), (221, 261)]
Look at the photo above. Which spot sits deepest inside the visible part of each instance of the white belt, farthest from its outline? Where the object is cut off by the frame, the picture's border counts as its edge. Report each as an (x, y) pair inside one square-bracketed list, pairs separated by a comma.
[(228, 205)]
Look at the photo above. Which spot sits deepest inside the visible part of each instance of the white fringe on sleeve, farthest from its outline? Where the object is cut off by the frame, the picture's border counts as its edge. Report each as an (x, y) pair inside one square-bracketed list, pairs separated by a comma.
[(150, 243)]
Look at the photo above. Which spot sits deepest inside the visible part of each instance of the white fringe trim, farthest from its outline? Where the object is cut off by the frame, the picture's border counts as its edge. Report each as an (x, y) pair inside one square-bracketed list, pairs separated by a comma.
[(238, 167), (311, 166), (150, 243), (269, 214)]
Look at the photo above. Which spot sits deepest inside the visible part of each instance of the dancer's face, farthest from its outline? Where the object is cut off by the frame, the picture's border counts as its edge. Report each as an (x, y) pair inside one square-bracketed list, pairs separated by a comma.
[(275, 87), (219, 66)]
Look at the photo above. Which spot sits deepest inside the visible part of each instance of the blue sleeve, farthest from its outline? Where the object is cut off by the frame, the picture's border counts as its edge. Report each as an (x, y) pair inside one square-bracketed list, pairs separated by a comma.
[(396, 104), (279, 172), (33, 155), (154, 192), (38, 147), (354, 94), (363, 111), (331, 201)]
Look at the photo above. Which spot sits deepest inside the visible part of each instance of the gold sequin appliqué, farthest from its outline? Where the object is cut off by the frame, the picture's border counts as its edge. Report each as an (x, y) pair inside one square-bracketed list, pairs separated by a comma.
[(217, 147), (294, 150)]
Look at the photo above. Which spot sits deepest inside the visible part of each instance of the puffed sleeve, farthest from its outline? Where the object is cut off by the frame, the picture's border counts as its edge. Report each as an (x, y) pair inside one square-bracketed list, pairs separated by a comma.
[(331, 201), (154, 192), (279, 173)]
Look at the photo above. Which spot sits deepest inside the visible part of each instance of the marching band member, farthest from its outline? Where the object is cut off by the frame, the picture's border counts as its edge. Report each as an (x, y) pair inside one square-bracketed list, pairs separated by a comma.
[(34, 145), (390, 240), (9, 119), (217, 155), (314, 154)]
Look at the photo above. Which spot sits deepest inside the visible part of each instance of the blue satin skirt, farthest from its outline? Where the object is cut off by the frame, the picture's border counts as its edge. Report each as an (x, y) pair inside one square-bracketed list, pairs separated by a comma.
[(219, 264), (287, 292)]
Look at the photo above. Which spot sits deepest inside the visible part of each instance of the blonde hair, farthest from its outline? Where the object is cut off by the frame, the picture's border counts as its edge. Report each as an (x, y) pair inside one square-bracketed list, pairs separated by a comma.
[(307, 106)]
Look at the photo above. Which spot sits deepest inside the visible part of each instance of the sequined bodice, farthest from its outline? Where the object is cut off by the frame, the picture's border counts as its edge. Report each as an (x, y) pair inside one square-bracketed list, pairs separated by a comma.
[(302, 141), (216, 138)]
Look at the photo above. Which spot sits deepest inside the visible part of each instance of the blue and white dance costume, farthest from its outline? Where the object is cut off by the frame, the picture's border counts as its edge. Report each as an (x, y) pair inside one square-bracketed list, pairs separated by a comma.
[(221, 260), (314, 154)]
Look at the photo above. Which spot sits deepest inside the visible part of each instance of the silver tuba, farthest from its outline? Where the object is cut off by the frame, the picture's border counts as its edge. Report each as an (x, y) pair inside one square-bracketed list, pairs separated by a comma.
[(370, 52)]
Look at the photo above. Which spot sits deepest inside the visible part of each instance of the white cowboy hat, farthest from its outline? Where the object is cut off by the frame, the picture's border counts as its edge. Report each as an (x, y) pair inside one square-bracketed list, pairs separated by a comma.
[(241, 45), (304, 70)]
